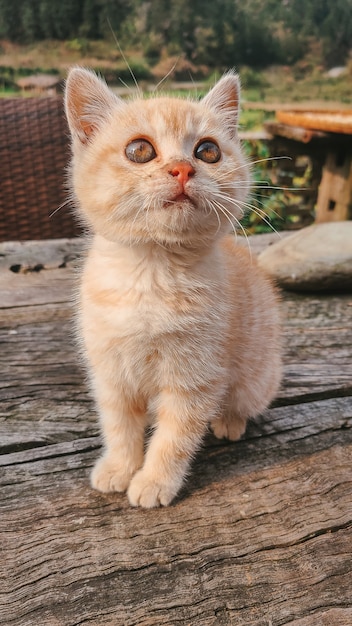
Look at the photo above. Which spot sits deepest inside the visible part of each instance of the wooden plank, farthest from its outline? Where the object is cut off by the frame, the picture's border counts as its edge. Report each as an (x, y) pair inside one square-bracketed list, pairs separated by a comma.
[(297, 133), (259, 535), (333, 122), (237, 537)]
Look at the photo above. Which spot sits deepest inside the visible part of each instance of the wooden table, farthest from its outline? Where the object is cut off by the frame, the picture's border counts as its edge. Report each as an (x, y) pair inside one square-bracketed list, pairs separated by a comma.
[(331, 153), (261, 533)]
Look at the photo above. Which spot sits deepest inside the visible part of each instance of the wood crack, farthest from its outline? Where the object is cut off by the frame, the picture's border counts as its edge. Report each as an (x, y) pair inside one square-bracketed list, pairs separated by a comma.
[(340, 392), (317, 533)]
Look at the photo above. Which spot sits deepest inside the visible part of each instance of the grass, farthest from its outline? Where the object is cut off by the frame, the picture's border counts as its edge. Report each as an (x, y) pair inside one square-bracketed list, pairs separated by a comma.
[(304, 81), (285, 84)]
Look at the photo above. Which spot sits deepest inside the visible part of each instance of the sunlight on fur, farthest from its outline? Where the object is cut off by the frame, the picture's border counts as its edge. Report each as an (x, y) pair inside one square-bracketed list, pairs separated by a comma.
[(177, 323)]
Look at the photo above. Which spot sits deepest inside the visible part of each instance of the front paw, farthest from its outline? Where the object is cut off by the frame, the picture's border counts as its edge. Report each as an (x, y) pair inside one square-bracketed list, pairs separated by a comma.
[(108, 475), (232, 429), (149, 492)]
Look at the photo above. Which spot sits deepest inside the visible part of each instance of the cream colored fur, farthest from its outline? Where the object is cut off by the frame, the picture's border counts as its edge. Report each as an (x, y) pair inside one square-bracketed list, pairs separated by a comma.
[(178, 324)]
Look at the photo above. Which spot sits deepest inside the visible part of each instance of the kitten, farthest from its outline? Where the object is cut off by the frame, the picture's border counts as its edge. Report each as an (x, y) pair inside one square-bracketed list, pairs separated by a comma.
[(177, 321)]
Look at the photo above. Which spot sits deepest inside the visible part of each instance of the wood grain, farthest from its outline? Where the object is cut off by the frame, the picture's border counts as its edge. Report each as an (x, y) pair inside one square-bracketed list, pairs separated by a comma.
[(259, 536)]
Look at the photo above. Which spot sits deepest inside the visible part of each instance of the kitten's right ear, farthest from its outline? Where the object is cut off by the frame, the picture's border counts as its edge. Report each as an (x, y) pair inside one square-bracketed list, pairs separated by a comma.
[(224, 98), (88, 103)]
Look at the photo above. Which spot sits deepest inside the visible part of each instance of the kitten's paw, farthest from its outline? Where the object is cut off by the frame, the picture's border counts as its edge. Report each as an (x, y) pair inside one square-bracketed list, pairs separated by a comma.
[(108, 476), (224, 428), (147, 492)]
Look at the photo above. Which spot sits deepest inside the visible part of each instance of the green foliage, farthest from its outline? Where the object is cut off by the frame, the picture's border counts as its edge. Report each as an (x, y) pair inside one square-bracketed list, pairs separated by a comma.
[(34, 20), (251, 78), (218, 34), (322, 19), (272, 207), (7, 80), (80, 44)]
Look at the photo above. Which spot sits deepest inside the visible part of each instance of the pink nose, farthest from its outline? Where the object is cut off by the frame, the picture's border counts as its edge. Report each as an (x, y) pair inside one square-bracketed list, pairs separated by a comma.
[(182, 171)]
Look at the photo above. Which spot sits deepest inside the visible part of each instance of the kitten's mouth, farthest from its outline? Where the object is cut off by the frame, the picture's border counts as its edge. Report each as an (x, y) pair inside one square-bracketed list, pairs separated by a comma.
[(179, 199)]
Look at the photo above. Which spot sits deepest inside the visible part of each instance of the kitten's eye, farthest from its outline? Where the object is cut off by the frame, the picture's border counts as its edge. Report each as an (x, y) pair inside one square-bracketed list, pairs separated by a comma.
[(140, 151), (208, 151)]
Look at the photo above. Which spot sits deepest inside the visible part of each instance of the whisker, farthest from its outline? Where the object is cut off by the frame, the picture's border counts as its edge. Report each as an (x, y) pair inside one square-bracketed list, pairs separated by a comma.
[(67, 202), (213, 209), (123, 83), (193, 83), (276, 158), (250, 207), (261, 214), (272, 210), (249, 162), (124, 58), (166, 76), (229, 216), (225, 213), (262, 186)]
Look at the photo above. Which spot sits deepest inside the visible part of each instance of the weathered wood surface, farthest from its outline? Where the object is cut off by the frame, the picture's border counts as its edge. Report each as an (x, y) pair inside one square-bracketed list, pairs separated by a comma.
[(261, 533)]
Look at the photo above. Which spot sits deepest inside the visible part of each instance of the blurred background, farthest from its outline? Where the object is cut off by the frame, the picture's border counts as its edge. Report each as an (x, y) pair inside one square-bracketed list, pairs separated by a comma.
[(292, 55)]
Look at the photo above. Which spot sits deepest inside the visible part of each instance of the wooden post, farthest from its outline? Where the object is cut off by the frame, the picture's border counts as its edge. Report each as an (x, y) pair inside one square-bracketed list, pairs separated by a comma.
[(334, 201)]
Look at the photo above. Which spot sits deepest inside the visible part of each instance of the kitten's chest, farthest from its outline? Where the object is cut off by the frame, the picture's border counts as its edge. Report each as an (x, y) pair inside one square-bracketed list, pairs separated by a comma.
[(154, 324), (144, 300)]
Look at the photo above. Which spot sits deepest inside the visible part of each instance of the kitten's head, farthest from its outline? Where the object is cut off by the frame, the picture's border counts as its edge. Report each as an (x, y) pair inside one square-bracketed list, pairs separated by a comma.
[(162, 170)]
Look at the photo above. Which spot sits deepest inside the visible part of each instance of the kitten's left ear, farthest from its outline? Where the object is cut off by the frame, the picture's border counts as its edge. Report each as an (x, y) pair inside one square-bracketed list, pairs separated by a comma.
[(224, 98), (88, 103)]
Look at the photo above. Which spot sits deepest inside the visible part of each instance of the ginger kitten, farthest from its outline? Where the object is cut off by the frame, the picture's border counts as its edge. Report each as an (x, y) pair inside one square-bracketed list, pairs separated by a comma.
[(179, 325)]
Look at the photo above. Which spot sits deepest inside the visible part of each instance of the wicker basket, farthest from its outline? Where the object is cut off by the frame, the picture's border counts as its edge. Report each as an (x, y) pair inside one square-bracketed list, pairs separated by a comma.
[(34, 152)]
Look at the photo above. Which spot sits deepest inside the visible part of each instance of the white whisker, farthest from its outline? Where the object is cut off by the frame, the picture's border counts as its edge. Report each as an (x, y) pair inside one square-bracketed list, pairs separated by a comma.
[(165, 77), (225, 212), (263, 205), (123, 83), (67, 202), (263, 216), (213, 209), (125, 59)]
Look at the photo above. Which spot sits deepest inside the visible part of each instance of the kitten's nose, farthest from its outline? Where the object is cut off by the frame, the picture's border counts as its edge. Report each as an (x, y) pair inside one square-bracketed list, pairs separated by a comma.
[(183, 171)]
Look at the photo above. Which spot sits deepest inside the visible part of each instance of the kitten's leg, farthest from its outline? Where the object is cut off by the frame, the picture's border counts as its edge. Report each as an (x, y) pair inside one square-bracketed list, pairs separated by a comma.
[(123, 424), (229, 427), (181, 425), (246, 399), (231, 421)]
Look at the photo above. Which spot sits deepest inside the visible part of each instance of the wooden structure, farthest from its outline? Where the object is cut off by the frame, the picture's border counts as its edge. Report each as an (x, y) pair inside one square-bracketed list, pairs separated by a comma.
[(39, 84), (327, 138), (261, 534)]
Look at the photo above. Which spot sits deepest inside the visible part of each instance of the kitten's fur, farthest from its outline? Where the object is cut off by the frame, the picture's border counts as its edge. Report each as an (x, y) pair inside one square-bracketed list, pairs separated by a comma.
[(176, 319)]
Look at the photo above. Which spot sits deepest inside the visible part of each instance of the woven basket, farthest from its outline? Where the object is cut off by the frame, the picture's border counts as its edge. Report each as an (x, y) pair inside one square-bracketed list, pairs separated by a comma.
[(34, 152)]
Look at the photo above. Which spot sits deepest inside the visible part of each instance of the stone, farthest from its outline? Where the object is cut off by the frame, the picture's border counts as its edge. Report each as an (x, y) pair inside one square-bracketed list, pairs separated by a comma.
[(33, 256), (316, 258)]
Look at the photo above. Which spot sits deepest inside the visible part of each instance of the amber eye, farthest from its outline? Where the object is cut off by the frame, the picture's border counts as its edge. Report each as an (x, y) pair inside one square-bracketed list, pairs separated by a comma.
[(140, 151), (208, 151)]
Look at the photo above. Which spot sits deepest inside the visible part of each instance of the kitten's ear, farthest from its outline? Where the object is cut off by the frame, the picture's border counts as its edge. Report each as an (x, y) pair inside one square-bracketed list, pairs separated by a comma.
[(224, 98), (88, 103)]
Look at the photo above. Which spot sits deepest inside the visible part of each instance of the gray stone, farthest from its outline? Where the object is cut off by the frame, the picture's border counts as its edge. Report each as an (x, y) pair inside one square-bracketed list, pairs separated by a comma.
[(317, 258), (29, 256)]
